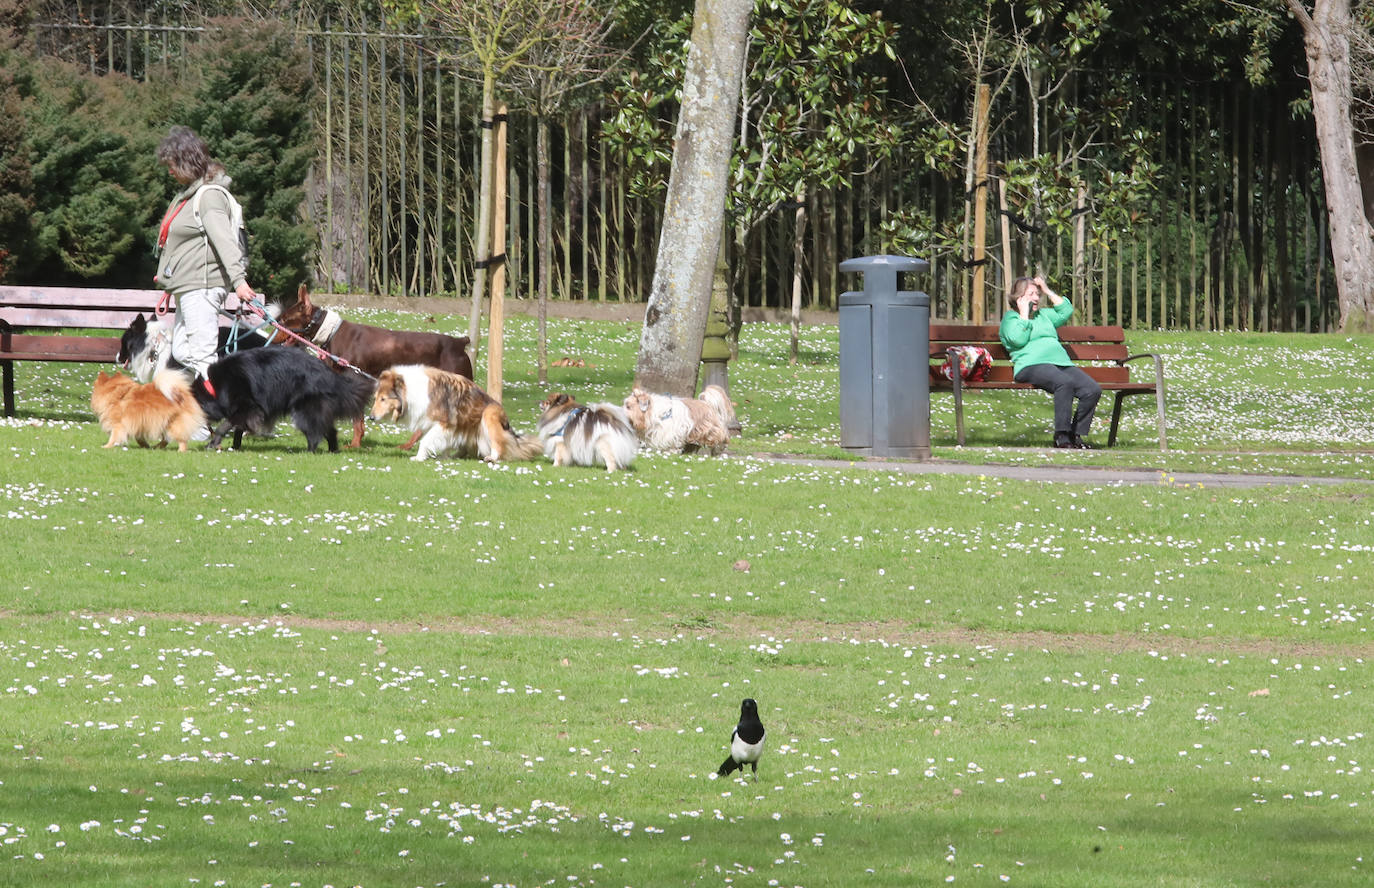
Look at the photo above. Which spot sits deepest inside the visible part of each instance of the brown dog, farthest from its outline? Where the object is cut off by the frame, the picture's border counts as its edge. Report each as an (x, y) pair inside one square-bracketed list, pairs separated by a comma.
[(372, 349), (157, 411), (448, 412)]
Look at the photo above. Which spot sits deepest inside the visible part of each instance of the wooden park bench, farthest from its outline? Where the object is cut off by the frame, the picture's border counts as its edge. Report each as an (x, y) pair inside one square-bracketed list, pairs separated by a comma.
[(34, 322), (1100, 351)]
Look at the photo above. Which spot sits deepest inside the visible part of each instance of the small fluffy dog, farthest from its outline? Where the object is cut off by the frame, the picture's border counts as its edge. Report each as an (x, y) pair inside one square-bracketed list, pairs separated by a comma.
[(574, 435), (255, 388), (162, 410), (452, 414), (667, 422)]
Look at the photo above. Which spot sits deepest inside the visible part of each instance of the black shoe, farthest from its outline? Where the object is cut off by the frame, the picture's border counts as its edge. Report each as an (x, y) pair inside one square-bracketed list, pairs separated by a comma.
[(1064, 441), (1079, 444)]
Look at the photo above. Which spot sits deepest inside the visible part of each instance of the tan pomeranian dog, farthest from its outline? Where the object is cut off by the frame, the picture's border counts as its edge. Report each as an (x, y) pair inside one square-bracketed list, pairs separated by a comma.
[(452, 414), (682, 425), (161, 410)]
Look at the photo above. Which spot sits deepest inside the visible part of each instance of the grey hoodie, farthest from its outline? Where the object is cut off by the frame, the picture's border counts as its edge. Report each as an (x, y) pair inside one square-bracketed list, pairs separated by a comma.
[(192, 260)]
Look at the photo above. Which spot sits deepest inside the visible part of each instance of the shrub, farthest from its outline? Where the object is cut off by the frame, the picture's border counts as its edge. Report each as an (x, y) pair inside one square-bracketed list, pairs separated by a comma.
[(81, 191)]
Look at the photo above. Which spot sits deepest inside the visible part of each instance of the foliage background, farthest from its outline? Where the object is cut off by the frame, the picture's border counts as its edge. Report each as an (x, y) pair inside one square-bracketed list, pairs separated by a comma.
[(81, 192), (1183, 125)]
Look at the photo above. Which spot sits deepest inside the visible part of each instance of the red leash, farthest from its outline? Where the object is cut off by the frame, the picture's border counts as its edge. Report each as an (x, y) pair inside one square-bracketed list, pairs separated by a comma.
[(261, 310)]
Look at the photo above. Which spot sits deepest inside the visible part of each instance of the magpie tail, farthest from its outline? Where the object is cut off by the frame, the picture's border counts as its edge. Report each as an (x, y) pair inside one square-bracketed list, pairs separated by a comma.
[(729, 766)]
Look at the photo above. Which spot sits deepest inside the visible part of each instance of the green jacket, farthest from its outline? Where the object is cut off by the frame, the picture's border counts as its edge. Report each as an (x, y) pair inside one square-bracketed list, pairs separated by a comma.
[(196, 260), (1036, 340)]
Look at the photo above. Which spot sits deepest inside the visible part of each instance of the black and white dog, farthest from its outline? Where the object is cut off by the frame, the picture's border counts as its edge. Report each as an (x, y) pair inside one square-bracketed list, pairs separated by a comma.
[(145, 347), (253, 389)]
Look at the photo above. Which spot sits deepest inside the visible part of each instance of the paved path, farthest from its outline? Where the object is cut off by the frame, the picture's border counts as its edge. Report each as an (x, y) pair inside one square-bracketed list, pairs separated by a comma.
[(1097, 475)]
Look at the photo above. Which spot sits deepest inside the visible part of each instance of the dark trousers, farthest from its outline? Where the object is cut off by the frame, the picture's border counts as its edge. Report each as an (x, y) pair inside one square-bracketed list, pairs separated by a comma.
[(1066, 384)]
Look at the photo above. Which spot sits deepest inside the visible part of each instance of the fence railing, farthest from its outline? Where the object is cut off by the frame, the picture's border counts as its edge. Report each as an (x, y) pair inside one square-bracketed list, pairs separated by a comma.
[(1234, 237)]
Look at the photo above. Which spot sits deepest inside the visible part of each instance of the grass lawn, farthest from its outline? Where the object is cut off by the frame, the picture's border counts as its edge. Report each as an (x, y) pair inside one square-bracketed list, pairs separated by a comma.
[(275, 668)]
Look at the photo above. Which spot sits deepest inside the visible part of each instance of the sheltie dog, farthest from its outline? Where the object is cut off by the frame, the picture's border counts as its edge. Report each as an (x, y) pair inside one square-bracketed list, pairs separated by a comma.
[(574, 435), (250, 390), (371, 349), (667, 422), (451, 413), (162, 410), (145, 346)]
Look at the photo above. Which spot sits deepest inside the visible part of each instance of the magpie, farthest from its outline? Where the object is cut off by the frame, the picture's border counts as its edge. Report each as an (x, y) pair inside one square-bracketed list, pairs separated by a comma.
[(746, 741)]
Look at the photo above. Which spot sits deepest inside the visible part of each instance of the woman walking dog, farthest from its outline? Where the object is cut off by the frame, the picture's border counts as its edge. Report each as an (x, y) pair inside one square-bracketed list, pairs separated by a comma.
[(201, 256)]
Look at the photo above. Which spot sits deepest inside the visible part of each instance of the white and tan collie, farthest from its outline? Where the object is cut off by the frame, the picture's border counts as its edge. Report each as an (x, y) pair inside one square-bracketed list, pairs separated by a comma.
[(577, 435), (667, 422), (451, 412)]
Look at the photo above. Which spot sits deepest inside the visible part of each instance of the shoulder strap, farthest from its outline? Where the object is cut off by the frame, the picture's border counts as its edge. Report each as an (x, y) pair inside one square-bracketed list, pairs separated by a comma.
[(195, 201)]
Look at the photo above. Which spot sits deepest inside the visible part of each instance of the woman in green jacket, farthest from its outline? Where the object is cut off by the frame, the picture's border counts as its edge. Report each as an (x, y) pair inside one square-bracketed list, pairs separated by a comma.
[(1030, 333), (199, 256)]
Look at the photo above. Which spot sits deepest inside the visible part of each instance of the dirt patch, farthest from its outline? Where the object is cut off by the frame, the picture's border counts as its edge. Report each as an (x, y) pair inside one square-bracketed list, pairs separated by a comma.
[(627, 312), (893, 632)]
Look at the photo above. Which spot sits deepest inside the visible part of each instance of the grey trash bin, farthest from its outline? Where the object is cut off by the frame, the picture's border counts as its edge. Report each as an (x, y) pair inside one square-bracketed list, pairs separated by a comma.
[(885, 361)]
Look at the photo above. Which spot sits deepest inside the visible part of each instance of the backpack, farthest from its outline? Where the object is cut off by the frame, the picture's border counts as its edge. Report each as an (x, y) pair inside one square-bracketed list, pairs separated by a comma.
[(235, 215), (974, 363)]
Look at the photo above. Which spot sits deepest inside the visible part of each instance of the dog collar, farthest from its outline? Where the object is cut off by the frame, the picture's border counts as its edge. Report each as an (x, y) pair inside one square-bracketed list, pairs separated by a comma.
[(329, 325), (569, 418)]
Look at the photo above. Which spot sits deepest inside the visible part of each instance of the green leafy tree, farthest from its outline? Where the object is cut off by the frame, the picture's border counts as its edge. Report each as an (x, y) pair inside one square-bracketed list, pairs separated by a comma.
[(1339, 51), (1068, 159), (811, 116)]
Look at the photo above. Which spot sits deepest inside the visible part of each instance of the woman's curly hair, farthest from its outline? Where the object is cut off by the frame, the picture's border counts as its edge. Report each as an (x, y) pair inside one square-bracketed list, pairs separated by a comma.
[(186, 154)]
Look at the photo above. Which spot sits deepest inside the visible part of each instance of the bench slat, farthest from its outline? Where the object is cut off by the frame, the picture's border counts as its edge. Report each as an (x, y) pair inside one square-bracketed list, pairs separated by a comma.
[(59, 348), (1001, 375), (981, 334), (79, 297), (67, 317), (1077, 351), (1083, 352)]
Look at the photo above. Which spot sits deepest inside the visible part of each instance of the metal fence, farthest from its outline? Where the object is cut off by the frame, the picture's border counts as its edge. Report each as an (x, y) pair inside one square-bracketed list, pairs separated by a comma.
[(1235, 236)]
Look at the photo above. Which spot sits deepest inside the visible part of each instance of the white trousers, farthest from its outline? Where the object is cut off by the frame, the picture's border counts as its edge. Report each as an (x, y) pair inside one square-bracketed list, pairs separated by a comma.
[(195, 336)]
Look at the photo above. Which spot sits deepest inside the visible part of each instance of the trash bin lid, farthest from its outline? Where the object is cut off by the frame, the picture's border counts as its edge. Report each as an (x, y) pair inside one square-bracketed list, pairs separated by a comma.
[(885, 263)]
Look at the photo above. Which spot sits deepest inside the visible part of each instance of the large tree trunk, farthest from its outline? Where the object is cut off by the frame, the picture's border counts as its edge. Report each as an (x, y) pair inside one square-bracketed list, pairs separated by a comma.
[(680, 295), (1326, 35)]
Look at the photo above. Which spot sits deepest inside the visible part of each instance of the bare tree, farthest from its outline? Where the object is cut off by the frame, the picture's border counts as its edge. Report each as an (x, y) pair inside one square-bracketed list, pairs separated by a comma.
[(1327, 29), (539, 51), (493, 38), (680, 295), (551, 78)]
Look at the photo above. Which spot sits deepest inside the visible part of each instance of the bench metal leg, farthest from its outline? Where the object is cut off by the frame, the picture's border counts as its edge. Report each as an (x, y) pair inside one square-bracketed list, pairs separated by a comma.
[(958, 409), (7, 369), (1159, 417), (1116, 419), (1159, 404)]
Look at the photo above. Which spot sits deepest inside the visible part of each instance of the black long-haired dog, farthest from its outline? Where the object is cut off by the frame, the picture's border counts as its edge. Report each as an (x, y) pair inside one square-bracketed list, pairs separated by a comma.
[(253, 389)]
